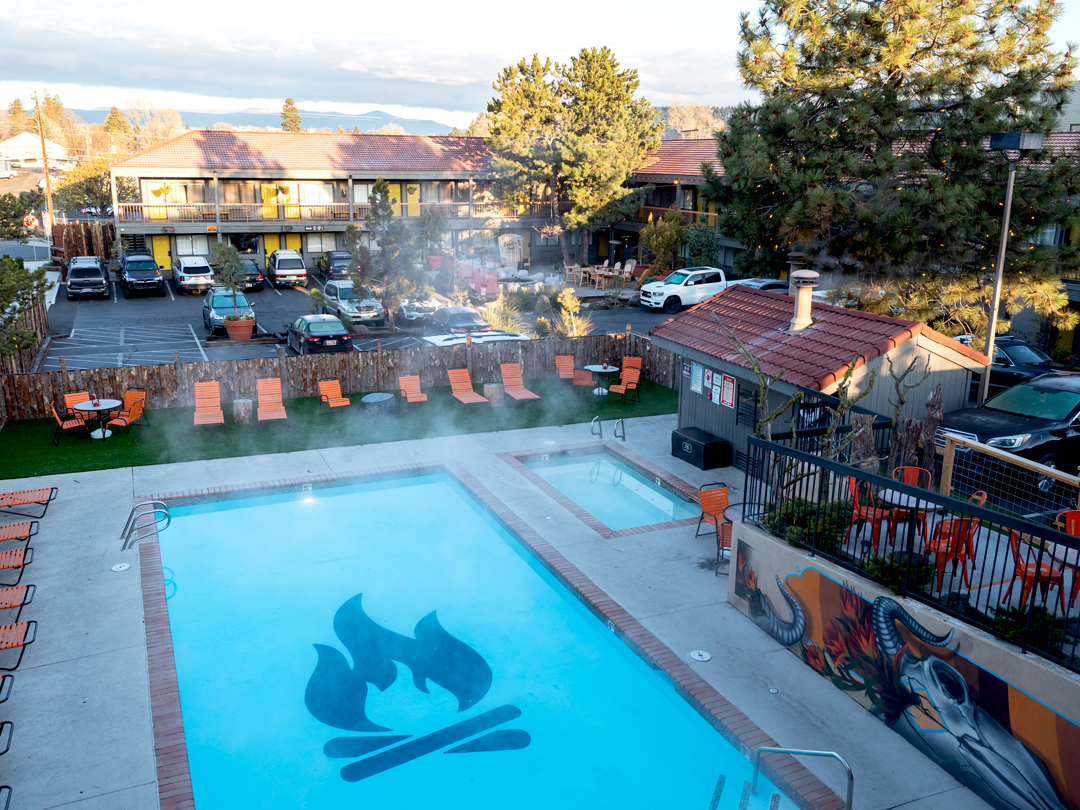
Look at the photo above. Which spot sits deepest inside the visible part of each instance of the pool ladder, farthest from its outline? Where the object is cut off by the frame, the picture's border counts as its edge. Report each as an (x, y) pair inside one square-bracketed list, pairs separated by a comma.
[(597, 428), (799, 752), (129, 536)]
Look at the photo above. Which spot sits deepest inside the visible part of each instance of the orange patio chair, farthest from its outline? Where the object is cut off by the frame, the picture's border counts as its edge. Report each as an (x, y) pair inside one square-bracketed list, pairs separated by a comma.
[(461, 387), (73, 399), (1069, 522), (714, 500), (978, 497), (28, 497), (128, 417), (584, 379), (16, 599), (1031, 572), (18, 531), (18, 635), (863, 513), (330, 395), (271, 407), (67, 422), (953, 540), (131, 396), (629, 361), (913, 477), (628, 381), (513, 385), (16, 559), (410, 388), (564, 364), (208, 405)]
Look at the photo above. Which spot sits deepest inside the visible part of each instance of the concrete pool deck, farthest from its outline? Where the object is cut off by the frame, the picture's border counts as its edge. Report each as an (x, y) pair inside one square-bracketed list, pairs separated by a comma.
[(81, 701)]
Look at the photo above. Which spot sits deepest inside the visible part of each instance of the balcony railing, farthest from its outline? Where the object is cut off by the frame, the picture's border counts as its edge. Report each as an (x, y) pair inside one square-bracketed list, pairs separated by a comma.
[(687, 217), (273, 212)]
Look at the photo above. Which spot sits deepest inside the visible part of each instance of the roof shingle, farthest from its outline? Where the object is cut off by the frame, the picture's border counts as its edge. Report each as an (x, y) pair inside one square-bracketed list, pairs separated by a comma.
[(679, 158)]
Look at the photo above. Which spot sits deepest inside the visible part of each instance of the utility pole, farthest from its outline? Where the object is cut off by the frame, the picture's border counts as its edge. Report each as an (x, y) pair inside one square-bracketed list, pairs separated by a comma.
[(45, 162)]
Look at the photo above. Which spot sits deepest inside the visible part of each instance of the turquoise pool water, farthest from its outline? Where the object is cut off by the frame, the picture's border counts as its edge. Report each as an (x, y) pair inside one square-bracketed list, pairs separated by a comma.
[(612, 492), (531, 702)]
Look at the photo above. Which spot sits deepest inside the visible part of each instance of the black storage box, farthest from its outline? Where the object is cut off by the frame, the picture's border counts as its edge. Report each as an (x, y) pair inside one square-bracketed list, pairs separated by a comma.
[(700, 448)]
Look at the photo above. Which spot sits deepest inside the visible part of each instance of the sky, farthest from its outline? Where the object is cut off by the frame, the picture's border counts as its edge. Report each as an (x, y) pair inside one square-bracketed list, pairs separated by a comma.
[(418, 59)]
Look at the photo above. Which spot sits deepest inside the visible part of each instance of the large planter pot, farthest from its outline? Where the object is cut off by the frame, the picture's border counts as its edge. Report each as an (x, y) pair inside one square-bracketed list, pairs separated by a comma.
[(434, 262), (239, 330)]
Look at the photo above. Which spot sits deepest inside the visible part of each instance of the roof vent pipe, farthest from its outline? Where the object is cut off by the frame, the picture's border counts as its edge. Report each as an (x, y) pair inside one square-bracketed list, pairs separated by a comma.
[(801, 284)]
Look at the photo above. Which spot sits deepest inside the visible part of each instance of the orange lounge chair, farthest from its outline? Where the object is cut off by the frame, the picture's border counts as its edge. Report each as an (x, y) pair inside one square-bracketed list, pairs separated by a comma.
[(17, 598), (16, 559), (67, 422), (28, 497), (564, 364), (330, 395), (270, 405), (19, 634), (513, 385), (208, 405), (461, 387), (628, 381), (410, 388), (128, 417), (18, 531)]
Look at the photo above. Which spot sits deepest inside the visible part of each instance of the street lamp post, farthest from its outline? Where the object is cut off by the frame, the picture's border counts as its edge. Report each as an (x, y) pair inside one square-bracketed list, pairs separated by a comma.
[(1014, 145)]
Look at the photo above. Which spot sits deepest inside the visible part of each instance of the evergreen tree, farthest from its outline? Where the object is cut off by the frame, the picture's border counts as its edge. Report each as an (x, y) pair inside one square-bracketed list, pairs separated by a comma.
[(356, 130), (290, 116), (392, 266), (663, 238), (869, 151), (20, 121), (340, 130), (116, 122), (19, 289)]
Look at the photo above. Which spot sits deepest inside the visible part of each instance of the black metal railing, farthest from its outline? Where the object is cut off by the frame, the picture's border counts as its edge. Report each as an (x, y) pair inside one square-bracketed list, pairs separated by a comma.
[(809, 421), (1011, 577)]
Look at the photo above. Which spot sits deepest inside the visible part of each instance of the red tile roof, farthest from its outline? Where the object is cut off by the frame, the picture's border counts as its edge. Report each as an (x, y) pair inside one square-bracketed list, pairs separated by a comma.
[(816, 358), (314, 151), (679, 158)]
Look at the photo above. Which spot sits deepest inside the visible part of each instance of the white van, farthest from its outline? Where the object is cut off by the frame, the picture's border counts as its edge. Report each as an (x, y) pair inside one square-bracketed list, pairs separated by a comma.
[(286, 268)]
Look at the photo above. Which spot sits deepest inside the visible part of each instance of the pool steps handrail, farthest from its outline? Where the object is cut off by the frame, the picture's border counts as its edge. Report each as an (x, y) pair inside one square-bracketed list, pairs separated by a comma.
[(800, 752), (617, 436), (128, 536), (597, 427)]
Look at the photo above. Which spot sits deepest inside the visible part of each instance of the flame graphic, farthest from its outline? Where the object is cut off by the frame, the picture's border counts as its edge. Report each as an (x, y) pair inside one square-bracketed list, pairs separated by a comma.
[(337, 693)]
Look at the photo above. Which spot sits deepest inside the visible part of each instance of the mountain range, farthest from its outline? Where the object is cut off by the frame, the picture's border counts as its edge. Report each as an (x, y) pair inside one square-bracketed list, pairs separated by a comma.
[(368, 122)]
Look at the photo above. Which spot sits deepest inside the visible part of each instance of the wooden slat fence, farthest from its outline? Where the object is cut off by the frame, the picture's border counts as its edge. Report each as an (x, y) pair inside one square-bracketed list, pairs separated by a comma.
[(27, 396), (36, 318)]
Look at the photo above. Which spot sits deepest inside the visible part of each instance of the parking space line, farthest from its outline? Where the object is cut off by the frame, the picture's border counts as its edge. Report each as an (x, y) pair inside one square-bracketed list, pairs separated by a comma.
[(113, 287), (197, 343), (169, 288)]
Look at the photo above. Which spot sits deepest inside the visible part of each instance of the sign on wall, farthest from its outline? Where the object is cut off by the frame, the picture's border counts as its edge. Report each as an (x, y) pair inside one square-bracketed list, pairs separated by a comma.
[(697, 371), (708, 378), (686, 369), (727, 391), (715, 395)]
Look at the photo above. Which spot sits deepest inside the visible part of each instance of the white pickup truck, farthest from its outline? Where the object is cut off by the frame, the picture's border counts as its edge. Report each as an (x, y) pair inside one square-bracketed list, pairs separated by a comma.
[(685, 287)]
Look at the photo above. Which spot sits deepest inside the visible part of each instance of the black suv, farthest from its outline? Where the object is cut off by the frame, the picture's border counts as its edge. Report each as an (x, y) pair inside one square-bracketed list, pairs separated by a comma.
[(1038, 419), (139, 272), (1014, 362), (333, 264), (87, 275), (455, 321)]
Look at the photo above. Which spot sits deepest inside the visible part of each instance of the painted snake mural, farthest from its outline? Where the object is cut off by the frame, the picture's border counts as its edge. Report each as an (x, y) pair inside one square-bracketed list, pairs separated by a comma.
[(866, 652)]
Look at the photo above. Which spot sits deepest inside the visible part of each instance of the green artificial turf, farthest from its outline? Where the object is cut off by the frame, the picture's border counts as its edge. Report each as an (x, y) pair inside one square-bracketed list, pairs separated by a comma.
[(26, 446)]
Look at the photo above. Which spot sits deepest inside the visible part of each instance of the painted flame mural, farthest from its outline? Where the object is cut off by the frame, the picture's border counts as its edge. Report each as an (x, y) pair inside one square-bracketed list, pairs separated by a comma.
[(337, 692), (1009, 749)]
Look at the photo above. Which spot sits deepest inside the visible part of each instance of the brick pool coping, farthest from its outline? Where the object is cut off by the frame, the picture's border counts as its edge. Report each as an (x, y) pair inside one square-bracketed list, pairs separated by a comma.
[(170, 745)]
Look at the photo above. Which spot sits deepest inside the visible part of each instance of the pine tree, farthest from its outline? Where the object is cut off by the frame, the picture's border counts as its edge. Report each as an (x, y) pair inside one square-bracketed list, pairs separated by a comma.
[(869, 150), (290, 116), (392, 266), (356, 130), (20, 121), (116, 122)]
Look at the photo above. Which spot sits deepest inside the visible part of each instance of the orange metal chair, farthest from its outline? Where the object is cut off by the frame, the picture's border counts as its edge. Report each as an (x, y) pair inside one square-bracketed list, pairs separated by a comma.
[(131, 396), (271, 407), (461, 387), (583, 378), (628, 381), (330, 395), (129, 418), (17, 598), (978, 497), (208, 405), (1069, 522), (953, 540), (410, 388), (564, 364), (18, 531), (66, 423), (18, 635), (73, 399), (913, 477), (629, 361), (513, 385), (16, 559), (714, 500), (863, 514), (1031, 573), (28, 497)]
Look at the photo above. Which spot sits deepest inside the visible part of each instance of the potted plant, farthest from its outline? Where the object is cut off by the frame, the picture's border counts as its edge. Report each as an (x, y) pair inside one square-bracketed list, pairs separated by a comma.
[(229, 273)]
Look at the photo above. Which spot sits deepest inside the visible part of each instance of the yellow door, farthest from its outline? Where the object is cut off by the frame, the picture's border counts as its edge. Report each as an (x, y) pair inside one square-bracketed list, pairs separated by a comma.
[(395, 198), (412, 192), (271, 242), (269, 198), (291, 195), (161, 251), (293, 242)]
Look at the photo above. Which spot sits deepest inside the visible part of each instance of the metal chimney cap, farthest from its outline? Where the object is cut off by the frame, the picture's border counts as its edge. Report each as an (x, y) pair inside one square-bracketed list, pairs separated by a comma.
[(803, 278)]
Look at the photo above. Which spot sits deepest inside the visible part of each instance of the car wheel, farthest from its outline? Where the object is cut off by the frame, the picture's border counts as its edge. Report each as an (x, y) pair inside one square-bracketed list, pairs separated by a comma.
[(70, 297), (1044, 482), (672, 305), (162, 291), (126, 291)]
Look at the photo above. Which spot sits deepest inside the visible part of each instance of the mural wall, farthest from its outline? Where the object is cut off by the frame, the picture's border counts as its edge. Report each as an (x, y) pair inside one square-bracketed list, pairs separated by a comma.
[(1013, 751)]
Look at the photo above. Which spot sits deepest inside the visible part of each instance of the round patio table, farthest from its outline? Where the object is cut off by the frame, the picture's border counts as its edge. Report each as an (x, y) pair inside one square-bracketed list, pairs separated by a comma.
[(901, 501), (598, 372), (377, 404), (103, 406)]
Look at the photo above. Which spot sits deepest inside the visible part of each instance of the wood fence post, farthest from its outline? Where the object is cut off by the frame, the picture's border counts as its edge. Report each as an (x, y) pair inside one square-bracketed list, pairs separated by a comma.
[(63, 376), (948, 457), (283, 373)]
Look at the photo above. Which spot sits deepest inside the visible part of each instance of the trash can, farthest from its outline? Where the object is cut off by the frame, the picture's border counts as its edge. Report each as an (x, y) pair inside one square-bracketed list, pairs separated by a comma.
[(700, 448)]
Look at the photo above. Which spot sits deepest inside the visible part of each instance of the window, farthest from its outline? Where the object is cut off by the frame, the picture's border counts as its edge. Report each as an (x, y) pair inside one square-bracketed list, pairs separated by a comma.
[(245, 242), (1074, 127), (321, 242), (748, 406), (192, 245), (317, 193), (361, 193), (238, 193), (440, 192), (712, 278)]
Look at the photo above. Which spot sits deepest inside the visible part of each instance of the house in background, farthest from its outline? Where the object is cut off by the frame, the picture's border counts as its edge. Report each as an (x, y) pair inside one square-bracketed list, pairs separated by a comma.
[(26, 148), (811, 345)]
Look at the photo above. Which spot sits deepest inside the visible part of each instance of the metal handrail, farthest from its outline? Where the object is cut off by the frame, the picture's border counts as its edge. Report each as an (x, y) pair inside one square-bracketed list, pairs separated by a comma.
[(128, 536), (799, 752), (596, 428), (616, 434)]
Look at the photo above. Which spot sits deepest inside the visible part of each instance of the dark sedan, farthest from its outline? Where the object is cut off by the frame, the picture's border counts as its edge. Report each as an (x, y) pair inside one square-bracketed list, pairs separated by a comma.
[(333, 264), (253, 275), (318, 334), (455, 321)]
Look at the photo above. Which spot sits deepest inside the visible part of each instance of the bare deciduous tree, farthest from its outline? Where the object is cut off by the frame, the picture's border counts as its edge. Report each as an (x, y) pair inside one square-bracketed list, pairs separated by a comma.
[(151, 124), (902, 391)]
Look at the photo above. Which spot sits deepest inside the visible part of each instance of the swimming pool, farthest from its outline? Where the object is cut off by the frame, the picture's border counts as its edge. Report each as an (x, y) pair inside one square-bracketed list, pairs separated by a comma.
[(391, 644), (610, 490)]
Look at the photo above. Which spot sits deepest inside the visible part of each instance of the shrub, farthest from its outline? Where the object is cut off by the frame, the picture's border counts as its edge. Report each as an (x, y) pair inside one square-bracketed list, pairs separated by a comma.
[(568, 302), (808, 523), (543, 327), (893, 571)]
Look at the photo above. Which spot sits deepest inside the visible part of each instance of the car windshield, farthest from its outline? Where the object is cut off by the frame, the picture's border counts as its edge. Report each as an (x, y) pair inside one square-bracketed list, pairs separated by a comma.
[(325, 328), (223, 301), (1037, 401), (290, 264), (676, 278), (141, 267), (84, 272), (467, 319), (1021, 353)]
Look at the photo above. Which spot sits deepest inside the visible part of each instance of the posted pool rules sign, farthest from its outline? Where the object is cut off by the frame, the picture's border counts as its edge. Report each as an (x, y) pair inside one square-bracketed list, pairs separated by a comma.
[(727, 391)]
